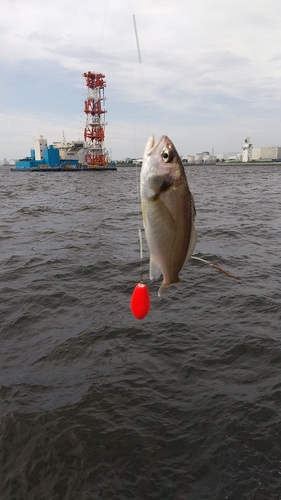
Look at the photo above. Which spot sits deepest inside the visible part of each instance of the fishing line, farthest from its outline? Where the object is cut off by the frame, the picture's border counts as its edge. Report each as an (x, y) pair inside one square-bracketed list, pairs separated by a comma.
[(140, 300), (135, 134), (141, 254), (137, 40), (215, 266)]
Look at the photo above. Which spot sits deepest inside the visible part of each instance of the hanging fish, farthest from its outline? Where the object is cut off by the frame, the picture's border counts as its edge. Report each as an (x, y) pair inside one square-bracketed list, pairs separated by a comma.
[(168, 211)]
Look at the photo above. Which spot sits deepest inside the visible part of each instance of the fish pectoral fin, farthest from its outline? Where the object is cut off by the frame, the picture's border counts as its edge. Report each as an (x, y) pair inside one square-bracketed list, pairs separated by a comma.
[(154, 269), (162, 217), (192, 243)]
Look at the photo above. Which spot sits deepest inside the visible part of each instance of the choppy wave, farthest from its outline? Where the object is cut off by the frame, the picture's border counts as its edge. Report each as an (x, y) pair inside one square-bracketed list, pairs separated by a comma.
[(96, 405)]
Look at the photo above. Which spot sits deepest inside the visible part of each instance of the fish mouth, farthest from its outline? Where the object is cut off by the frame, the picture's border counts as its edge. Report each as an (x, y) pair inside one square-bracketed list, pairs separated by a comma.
[(151, 146)]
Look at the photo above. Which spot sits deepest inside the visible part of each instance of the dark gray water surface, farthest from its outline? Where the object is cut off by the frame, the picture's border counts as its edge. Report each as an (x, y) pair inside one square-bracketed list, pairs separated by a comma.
[(185, 404)]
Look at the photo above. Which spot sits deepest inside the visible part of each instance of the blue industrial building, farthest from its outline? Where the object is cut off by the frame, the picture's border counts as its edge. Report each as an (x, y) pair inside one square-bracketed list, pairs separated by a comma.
[(50, 161)]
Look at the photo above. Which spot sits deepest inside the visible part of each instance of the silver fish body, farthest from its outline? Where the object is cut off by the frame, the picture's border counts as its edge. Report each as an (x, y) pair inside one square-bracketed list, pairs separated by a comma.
[(168, 211)]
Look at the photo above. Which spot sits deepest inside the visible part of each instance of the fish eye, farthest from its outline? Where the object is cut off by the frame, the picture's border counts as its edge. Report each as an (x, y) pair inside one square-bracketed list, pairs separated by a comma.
[(166, 155)]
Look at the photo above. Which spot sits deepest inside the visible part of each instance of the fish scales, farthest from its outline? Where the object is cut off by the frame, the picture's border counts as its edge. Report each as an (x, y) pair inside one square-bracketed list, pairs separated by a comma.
[(168, 211)]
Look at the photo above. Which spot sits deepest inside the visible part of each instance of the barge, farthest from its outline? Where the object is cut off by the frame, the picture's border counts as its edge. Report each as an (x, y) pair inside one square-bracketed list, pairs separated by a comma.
[(59, 157)]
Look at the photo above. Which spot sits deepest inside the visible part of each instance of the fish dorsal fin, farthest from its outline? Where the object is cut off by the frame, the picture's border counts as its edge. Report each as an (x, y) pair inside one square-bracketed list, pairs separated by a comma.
[(154, 269)]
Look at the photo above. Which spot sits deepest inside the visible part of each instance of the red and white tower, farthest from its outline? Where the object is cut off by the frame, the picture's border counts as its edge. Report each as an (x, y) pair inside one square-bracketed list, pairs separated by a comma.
[(95, 154)]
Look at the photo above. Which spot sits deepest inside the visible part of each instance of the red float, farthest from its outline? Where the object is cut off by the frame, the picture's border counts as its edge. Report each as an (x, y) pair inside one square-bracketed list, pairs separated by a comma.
[(140, 301)]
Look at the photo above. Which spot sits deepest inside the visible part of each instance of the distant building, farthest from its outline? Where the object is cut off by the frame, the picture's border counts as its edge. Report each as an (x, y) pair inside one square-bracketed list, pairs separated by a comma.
[(69, 150), (137, 161), (190, 159), (266, 154), (231, 156), (203, 157), (248, 154), (247, 150), (39, 146)]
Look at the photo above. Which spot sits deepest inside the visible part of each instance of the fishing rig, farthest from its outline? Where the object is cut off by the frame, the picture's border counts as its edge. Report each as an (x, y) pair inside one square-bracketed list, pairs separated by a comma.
[(95, 152), (140, 300)]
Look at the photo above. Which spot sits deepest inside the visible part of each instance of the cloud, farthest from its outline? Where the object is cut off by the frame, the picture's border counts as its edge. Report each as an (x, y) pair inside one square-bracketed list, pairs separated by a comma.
[(206, 66)]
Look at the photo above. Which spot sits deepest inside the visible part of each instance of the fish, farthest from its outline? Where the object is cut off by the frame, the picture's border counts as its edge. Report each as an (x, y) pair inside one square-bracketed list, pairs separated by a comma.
[(168, 211)]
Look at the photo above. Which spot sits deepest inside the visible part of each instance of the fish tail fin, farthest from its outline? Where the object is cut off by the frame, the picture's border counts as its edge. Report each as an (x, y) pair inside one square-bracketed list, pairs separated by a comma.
[(165, 285), (161, 289)]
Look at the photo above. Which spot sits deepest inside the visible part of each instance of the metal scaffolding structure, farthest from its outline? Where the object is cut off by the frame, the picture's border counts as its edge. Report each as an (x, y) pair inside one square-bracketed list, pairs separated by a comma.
[(94, 132)]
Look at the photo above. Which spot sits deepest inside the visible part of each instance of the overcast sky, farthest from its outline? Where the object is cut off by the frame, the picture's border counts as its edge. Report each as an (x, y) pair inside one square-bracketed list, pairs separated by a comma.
[(210, 72)]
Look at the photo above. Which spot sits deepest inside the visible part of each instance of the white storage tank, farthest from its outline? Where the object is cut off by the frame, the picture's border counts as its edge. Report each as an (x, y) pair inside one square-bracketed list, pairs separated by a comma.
[(209, 159), (198, 158), (190, 159)]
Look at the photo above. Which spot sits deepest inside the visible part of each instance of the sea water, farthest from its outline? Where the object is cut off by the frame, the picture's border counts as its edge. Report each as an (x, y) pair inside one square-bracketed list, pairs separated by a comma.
[(185, 404)]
